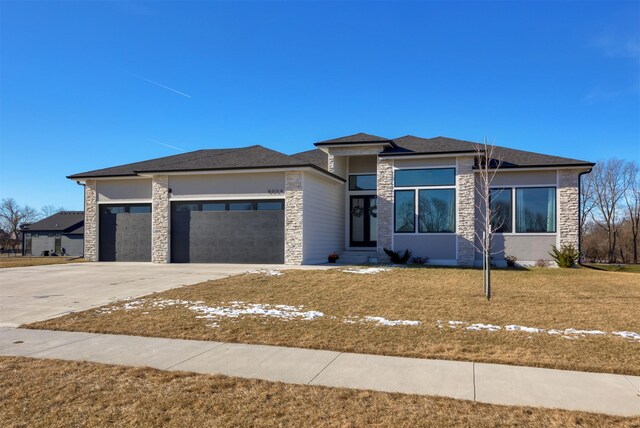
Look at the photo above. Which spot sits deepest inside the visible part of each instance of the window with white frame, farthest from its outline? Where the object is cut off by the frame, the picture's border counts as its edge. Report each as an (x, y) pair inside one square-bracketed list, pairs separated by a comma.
[(425, 200), (534, 210)]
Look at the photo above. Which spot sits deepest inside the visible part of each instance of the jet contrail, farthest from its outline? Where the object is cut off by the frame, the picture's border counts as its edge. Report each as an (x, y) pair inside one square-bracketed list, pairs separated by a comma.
[(166, 145), (160, 84)]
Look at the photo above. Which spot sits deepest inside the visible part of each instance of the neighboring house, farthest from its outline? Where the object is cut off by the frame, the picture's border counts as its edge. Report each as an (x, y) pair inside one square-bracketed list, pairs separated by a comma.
[(64, 230), (353, 195)]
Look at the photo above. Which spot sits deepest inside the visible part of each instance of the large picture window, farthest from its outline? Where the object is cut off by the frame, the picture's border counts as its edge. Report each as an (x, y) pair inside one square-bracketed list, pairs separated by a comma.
[(425, 177), (501, 210), (536, 210), (404, 211), (436, 210)]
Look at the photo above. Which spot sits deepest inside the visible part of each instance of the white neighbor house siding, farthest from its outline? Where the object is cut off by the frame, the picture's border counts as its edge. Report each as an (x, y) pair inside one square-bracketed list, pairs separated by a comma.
[(323, 218)]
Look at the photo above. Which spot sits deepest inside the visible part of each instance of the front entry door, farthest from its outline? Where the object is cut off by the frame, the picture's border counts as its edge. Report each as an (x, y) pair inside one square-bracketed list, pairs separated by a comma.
[(364, 221)]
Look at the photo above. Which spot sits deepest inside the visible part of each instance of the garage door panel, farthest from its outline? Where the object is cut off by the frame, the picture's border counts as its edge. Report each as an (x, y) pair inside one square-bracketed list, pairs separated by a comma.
[(125, 236), (228, 236), (133, 237)]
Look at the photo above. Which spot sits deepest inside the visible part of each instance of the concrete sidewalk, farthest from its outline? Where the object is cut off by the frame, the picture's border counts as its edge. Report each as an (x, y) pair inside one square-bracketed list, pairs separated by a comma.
[(487, 383)]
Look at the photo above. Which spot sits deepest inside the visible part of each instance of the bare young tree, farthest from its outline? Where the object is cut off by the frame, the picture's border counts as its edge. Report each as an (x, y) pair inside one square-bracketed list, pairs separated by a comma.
[(587, 202), (632, 201), (49, 210), (488, 162), (609, 189), (12, 216)]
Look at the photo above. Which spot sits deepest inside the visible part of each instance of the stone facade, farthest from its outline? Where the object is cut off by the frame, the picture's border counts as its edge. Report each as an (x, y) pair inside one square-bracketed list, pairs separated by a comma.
[(465, 207), (293, 217), (385, 207), (331, 163), (90, 221), (160, 219), (568, 207)]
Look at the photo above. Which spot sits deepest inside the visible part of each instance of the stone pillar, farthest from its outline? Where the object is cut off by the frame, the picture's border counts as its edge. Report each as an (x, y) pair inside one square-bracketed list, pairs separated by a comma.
[(160, 219), (568, 207), (90, 221), (385, 207), (293, 218), (331, 163), (465, 207)]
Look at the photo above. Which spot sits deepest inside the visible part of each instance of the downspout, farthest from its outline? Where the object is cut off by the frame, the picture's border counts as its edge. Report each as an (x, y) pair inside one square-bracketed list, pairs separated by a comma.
[(84, 210), (579, 214)]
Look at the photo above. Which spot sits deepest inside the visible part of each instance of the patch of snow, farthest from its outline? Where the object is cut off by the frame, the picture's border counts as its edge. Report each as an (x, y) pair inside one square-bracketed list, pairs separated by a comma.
[(583, 332), (627, 334), (384, 321), (268, 272), (513, 327), (237, 309), (366, 271), (487, 327), (379, 321)]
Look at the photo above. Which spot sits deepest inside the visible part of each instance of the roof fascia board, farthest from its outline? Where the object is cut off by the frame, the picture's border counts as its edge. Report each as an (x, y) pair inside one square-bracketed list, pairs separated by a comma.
[(149, 174), (83, 179), (460, 153), (359, 143), (539, 167)]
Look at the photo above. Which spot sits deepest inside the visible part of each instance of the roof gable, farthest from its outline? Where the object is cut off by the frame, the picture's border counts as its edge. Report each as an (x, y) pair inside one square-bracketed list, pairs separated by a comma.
[(359, 138), (64, 221)]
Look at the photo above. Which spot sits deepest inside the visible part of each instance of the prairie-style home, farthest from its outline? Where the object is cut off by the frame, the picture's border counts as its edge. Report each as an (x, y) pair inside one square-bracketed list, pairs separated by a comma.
[(353, 196)]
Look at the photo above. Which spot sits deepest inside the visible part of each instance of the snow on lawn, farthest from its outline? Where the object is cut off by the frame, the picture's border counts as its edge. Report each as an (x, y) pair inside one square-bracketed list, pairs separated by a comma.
[(268, 272), (380, 321), (569, 333), (366, 271), (214, 313)]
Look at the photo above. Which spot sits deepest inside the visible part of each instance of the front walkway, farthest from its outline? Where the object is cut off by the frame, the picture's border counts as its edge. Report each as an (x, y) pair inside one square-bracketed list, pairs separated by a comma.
[(487, 383)]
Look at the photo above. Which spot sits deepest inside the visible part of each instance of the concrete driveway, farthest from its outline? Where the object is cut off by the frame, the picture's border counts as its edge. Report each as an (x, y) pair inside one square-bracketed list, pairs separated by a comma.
[(29, 294)]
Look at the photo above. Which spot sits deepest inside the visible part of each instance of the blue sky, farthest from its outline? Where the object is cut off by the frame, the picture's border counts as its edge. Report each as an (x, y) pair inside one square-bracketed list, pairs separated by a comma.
[(85, 85)]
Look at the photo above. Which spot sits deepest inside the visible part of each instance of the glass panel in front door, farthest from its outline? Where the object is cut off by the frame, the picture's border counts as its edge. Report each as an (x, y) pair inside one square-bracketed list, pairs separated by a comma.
[(364, 221), (373, 219)]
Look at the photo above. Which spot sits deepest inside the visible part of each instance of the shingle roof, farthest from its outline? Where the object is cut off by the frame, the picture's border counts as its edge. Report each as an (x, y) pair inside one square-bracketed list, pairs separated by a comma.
[(359, 138), (206, 160), (511, 158), (255, 157), (314, 156), (64, 221)]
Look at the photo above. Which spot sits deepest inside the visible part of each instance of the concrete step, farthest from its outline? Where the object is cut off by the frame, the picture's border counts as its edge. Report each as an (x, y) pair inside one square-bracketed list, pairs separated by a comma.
[(356, 257)]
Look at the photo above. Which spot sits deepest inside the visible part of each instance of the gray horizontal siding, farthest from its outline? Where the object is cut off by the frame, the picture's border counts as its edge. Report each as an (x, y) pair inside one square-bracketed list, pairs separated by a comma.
[(323, 218)]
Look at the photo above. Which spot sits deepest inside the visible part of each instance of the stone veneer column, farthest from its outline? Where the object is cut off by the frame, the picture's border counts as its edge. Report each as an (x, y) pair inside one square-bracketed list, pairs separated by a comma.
[(385, 207), (293, 218), (160, 219), (465, 207), (568, 207), (90, 221), (331, 163)]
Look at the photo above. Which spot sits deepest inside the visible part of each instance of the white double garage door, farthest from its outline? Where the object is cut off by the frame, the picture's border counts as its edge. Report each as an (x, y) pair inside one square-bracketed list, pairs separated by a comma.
[(200, 232)]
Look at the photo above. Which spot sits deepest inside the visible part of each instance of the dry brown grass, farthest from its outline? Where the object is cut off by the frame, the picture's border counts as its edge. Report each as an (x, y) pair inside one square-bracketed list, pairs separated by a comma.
[(23, 261), (545, 298), (50, 393)]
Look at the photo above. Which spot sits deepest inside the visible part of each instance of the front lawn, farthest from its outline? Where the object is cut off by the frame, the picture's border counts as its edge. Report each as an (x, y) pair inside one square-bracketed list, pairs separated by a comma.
[(23, 261), (50, 393), (579, 319), (631, 268)]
